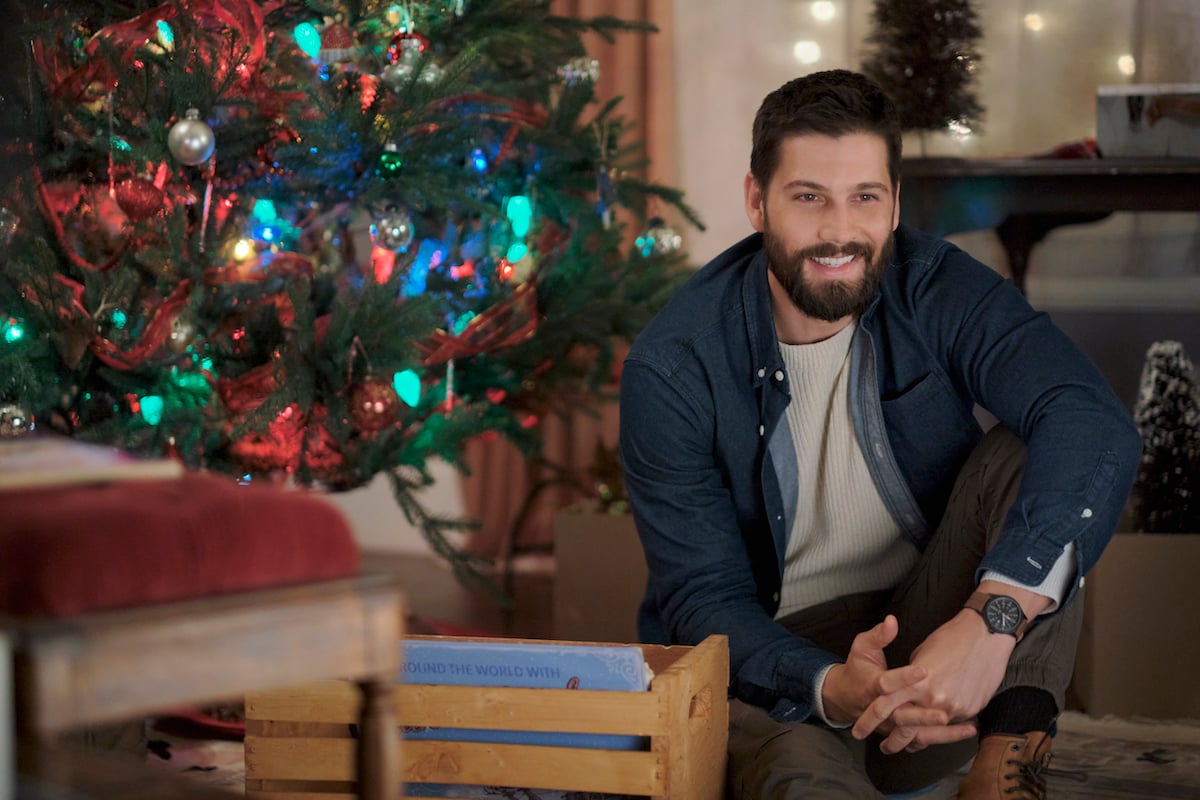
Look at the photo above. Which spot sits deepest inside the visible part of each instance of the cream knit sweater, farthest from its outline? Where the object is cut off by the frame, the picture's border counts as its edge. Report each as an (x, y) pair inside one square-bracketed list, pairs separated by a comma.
[(843, 539)]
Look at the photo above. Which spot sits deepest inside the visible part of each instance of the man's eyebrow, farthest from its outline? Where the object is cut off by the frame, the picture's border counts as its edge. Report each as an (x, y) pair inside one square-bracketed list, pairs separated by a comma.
[(801, 183)]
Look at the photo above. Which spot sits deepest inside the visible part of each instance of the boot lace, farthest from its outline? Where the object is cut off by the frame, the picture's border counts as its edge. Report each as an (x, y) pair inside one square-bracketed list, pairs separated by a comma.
[(1028, 782)]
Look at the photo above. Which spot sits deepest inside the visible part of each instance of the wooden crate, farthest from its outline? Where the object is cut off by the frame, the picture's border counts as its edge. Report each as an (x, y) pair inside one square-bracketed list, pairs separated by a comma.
[(299, 745)]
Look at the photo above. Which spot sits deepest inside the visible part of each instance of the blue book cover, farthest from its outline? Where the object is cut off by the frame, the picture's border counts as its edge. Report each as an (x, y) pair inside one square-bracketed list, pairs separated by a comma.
[(531, 665)]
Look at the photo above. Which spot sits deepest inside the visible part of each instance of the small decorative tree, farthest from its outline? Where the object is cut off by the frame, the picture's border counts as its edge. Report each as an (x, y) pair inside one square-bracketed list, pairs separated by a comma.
[(925, 58), (1166, 492)]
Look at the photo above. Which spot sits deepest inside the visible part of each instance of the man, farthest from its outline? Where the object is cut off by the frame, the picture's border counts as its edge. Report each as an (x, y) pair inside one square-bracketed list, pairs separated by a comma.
[(808, 477)]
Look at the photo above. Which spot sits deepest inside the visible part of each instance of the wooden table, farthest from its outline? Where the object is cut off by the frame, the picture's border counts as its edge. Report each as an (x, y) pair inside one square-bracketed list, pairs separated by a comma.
[(120, 665), (1024, 199)]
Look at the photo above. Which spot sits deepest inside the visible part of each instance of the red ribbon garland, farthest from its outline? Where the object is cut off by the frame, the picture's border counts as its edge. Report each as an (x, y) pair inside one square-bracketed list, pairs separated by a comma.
[(152, 338), (60, 232), (502, 325)]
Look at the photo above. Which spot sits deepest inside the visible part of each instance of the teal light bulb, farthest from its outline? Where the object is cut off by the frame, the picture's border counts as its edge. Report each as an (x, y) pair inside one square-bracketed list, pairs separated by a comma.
[(408, 386), (308, 39)]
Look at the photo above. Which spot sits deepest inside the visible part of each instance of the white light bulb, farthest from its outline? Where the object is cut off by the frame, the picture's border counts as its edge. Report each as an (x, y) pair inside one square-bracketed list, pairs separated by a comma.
[(1034, 22), (1127, 64), (959, 130), (807, 52), (823, 10)]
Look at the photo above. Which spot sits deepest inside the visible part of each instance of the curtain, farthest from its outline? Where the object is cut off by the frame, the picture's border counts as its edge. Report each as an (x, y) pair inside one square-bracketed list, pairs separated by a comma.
[(503, 488)]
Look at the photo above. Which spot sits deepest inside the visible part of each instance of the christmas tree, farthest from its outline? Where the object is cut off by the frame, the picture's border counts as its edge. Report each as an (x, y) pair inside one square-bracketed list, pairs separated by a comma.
[(1166, 492), (188, 268), (925, 58)]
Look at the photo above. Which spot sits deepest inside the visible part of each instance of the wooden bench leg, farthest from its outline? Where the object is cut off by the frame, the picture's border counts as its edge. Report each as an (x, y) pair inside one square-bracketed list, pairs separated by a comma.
[(379, 742)]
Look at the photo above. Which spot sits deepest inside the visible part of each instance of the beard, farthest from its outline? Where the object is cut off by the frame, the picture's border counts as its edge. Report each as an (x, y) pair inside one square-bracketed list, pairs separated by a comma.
[(833, 299)]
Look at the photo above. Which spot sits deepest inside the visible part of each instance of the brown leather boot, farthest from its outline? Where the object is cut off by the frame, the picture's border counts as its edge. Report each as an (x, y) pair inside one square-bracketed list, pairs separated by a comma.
[(1008, 767)]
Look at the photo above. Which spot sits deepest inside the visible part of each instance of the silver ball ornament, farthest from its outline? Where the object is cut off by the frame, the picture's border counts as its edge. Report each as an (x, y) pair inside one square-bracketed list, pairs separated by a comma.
[(659, 238), (431, 74), (579, 70), (394, 76), (392, 230), (191, 141), (15, 421), (8, 226)]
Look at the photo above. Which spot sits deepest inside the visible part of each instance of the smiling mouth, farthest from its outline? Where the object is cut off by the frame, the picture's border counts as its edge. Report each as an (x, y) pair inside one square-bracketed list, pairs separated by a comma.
[(834, 262)]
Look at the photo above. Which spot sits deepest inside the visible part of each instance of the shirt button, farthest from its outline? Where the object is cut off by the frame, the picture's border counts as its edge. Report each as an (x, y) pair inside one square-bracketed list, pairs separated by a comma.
[(1087, 513), (775, 597), (762, 430), (762, 372), (778, 374)]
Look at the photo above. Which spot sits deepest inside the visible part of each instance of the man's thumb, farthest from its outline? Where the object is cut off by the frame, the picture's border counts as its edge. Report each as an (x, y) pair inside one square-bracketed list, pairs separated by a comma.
[(885, 632)]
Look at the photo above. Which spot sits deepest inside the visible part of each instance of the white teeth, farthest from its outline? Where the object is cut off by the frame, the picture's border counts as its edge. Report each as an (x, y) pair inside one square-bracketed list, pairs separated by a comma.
[(834, 262)]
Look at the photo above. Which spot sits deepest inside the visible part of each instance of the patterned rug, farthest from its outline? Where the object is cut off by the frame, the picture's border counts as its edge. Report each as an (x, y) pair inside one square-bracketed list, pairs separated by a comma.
[(1094, 759), (1099, 759)]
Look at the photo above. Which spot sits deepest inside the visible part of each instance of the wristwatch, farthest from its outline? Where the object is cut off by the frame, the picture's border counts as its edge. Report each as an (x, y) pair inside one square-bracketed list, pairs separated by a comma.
[(1000, 613)]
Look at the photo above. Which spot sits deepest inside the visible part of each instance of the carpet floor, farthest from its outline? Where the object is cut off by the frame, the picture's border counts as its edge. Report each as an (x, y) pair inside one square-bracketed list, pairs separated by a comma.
[(1094, 759)]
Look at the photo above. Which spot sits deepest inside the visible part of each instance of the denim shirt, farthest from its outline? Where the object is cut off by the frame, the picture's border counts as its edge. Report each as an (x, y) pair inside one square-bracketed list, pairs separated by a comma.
[(711, 471)]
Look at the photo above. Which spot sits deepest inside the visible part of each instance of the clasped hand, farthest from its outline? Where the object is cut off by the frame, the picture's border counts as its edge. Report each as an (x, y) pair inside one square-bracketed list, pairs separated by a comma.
[(933, 699)]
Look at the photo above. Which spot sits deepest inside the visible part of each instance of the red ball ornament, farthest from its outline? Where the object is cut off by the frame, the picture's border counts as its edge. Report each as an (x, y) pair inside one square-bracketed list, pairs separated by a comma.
[(139, 198), (374, 404), (406, 45)]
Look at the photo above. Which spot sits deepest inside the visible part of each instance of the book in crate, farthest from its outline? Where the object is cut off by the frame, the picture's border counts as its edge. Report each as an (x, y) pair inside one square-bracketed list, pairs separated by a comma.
[(529, 665)]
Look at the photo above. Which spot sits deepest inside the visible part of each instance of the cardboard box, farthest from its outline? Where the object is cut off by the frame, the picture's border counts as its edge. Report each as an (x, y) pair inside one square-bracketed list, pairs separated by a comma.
[(300, 746), (1140, 646), (1148, 121), (600, 576)]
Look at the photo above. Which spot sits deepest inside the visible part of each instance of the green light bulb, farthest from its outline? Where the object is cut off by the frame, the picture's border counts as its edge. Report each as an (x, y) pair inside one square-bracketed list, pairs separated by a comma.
[(390, 164)]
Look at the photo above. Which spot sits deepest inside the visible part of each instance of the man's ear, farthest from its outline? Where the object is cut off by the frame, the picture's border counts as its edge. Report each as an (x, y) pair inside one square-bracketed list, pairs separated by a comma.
[(755, 203)]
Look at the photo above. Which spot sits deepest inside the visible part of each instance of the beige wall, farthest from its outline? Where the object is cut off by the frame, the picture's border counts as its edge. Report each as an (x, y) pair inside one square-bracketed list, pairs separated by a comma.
[(1038, 89)]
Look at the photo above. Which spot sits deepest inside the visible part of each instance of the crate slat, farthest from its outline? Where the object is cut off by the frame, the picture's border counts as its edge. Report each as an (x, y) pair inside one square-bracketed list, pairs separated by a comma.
[(561, 710), (282, 794), (474, 763), (327, 701), (486, 707)]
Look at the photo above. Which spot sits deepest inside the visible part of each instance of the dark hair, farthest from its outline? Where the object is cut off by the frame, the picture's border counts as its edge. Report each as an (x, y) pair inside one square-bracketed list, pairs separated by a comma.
[(833, 103)]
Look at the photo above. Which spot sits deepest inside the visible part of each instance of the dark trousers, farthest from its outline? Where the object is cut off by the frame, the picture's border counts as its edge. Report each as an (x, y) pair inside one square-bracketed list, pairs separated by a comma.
[(779, 761)]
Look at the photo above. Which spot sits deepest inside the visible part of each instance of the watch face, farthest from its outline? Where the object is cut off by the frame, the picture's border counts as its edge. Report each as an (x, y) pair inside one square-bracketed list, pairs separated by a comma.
[(1003, 615)]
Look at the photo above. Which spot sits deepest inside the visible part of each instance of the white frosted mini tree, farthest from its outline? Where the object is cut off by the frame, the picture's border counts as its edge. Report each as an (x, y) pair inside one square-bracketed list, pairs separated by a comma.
[(1165, 493)]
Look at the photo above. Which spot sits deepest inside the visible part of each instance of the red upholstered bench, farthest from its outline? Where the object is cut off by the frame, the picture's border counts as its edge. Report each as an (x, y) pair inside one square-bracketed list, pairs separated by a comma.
[(90, 547), (125, 598)]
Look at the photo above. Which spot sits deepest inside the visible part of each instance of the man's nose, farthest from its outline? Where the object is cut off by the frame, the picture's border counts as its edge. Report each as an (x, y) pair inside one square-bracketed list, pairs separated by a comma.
[(835, 224)]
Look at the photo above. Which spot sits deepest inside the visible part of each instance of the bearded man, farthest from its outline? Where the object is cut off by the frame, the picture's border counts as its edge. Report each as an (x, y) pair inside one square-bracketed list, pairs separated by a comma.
[(901, 592)]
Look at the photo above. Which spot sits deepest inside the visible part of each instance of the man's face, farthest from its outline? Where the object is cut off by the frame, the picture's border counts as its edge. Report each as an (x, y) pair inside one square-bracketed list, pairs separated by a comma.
[(827, 218)]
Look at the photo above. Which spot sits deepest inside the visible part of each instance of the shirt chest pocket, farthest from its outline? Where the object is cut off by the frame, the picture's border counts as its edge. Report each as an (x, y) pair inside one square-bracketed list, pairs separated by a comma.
[(929, 427)]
